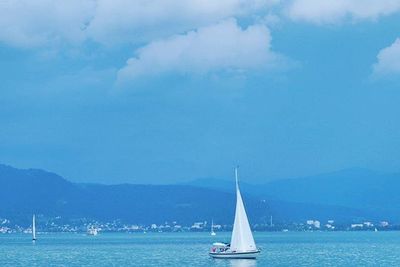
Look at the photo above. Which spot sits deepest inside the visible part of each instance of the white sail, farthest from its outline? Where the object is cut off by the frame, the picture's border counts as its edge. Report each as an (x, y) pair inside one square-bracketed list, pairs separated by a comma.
[(242, 239), (33, 228), (212, 228)]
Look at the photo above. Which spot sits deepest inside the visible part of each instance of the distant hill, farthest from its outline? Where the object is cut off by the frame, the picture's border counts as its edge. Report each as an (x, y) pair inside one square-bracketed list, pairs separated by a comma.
[(23, 192), (374, 193), (355, 188), (228, 186)]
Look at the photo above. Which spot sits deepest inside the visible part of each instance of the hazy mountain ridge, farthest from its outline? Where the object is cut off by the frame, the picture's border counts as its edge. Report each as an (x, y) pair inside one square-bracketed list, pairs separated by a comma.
[(24, 192), (376, 193)]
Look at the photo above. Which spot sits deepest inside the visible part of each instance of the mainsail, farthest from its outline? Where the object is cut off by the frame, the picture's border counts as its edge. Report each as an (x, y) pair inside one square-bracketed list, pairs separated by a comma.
[(212, 228), (242, 239), (33, 228)]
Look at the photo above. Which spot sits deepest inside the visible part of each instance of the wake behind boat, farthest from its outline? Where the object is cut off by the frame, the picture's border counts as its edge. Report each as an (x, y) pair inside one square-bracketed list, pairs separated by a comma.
[(242, 244)]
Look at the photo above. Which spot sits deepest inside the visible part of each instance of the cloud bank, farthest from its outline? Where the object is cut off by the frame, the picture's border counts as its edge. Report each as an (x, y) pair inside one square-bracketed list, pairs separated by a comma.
[(142, 20), (334, 11), (185, 37), (388, 60), (224, 46), (26, 23)]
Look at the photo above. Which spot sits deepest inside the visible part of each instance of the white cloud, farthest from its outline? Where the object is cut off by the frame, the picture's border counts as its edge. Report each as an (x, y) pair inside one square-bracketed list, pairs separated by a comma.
[(31, 23), (142, 20), (388, 60), (334, 11), (221, 47), (27, 23)]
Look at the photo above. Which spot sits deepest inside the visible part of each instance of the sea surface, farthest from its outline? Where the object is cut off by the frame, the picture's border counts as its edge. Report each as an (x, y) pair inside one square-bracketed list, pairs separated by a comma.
[(191, 249)]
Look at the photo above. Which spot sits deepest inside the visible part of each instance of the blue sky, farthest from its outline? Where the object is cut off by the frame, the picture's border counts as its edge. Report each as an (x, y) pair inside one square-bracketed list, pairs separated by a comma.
[(167, 91)]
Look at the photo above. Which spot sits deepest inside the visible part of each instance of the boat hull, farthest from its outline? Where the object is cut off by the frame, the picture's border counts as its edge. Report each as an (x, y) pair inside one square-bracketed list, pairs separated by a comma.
[(235, 255)]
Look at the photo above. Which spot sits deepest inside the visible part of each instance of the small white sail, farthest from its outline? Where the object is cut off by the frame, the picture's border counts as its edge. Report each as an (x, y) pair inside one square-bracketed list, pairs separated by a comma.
[(212, 228), (33, 228), (242, 239)]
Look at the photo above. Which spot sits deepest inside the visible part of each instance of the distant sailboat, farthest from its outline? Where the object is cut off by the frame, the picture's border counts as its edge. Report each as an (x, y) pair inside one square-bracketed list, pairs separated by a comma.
[(92, 231), (242, 244), (33, 228), (212, 228)]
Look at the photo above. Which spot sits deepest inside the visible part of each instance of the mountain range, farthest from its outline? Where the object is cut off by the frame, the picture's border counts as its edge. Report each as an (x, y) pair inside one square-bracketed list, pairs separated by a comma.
[(349, 195), (369, 192), (28, 191)]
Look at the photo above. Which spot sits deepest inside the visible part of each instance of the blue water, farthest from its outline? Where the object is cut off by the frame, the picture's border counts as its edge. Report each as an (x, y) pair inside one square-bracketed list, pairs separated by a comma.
[(190, 249)]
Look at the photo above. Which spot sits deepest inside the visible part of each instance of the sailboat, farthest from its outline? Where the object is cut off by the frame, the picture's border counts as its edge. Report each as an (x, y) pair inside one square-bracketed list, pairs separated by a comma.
[(92, 231), (33, 228), (212, 228), (242, 244)]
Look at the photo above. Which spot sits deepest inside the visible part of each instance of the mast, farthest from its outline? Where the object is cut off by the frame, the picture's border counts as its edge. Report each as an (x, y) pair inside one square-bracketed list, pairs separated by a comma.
[(33, 228), (242, 239), (236, 179)]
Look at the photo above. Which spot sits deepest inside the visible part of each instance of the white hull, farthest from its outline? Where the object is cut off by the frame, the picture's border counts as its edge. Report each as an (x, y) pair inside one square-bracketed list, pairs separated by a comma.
[(235, 255)]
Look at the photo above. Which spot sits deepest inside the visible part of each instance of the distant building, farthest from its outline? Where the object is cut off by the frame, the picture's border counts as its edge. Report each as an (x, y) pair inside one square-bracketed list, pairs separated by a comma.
[(329, 226), (197, 225), (368, 224), (4, 230), (384, 224), (316, 224), (217, 226)]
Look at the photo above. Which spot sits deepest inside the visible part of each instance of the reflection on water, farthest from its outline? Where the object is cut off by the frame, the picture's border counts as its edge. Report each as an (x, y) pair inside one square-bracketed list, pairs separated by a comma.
[(243, 263), (235, 263)]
